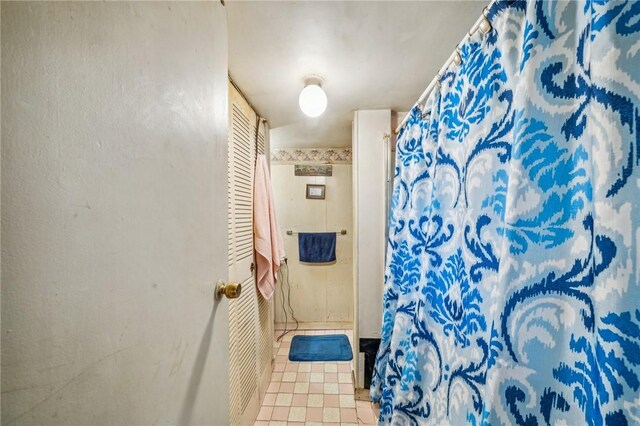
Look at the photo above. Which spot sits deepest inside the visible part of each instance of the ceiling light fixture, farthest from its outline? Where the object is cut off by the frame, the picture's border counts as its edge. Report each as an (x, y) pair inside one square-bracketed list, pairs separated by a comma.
[(312, 100)]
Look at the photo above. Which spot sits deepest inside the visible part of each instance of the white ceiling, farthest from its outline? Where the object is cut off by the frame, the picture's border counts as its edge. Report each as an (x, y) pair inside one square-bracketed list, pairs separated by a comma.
[(371, 55)]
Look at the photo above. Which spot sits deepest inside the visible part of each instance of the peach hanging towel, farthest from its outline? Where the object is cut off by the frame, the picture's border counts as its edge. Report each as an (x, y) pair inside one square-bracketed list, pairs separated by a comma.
[(267, 239)]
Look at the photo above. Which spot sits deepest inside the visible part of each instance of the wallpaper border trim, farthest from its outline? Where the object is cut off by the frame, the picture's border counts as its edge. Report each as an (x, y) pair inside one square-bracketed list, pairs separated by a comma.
[(311, 155)]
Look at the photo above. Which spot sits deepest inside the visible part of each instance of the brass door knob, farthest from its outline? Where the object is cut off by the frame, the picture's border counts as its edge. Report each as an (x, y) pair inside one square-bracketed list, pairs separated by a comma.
[(231, 290)]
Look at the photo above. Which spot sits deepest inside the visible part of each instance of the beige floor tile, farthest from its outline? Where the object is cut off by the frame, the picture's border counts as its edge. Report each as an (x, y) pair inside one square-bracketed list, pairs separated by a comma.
[(315, 400), (331, 368), (347, 401), (280, 413), (269, 399), (330, 415), (331, 388), (316, 377), (289, 377), (301, 387), (304, 367), (297, 414), (344, 377), (284, 400)]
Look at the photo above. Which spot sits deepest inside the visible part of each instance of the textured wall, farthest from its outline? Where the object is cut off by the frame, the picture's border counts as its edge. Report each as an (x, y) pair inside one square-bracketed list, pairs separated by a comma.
[(114, 133), (319, 293)]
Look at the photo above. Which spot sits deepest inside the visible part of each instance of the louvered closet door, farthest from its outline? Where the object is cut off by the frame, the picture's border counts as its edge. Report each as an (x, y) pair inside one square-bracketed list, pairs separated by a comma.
[(250, 316)]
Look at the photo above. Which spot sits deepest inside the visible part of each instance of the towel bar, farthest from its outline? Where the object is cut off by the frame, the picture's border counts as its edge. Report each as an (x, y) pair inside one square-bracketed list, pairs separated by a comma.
[(341, 232)]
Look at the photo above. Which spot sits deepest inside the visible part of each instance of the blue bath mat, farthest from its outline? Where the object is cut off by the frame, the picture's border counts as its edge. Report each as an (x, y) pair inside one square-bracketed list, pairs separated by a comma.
[(329, 347)]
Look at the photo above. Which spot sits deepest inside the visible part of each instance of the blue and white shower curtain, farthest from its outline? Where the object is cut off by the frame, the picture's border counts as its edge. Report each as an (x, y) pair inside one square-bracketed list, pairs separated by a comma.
[(512, 291)]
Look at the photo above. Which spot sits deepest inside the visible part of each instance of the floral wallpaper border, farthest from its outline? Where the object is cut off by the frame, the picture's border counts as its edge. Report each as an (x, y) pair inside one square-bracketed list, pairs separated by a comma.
[(311, 155)]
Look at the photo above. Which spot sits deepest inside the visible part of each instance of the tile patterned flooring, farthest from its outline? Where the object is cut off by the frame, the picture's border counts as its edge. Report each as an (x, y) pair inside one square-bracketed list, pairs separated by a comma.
[(312, 393)]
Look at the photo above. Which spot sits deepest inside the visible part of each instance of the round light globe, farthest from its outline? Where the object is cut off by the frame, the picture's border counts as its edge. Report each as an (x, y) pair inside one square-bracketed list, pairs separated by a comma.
[(312, 100)]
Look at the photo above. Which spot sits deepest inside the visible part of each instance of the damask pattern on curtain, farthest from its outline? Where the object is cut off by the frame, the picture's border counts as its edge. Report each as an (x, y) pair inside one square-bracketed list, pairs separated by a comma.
[(512, 291)]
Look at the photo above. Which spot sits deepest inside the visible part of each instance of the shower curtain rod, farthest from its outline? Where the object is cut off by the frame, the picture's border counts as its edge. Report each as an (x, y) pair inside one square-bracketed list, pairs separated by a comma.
[(483, 25)]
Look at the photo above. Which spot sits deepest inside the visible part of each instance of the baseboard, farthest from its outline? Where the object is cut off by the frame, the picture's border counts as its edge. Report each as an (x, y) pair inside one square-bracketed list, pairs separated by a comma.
[(361, 394), (335, 325)]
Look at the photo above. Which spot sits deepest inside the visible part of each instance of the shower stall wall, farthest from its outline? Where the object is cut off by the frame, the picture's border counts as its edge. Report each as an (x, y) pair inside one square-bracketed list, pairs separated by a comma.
[(321, 295)]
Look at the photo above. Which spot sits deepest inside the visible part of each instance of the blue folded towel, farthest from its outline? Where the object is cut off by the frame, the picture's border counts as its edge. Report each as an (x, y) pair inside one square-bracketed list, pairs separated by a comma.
[(317, 247)]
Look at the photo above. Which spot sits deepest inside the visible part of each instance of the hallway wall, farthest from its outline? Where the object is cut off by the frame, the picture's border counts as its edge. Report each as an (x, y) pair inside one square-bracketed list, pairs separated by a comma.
[(114, 213), (319, 293), (371, 167)]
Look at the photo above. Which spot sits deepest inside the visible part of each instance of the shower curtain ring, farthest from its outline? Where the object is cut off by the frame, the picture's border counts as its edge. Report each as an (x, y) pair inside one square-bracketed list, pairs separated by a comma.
[(485, 26), (458, 58), (438, 83)]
